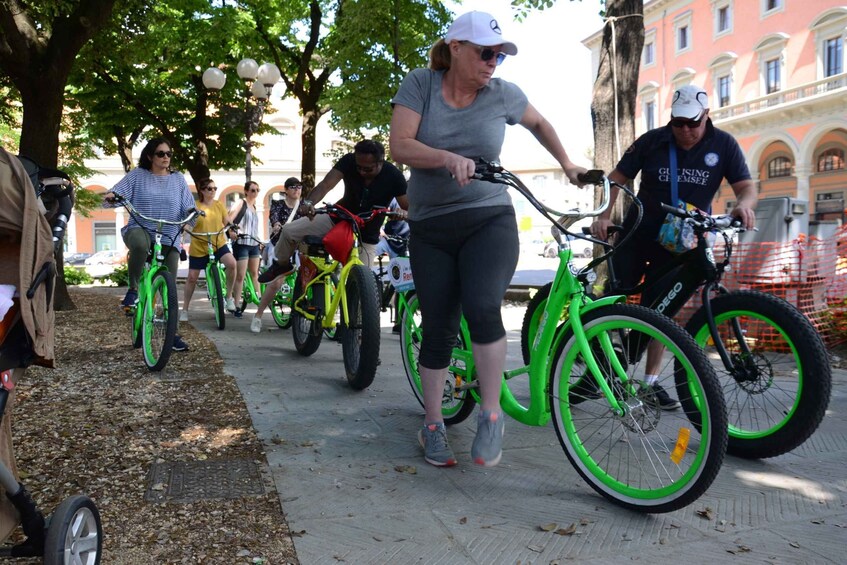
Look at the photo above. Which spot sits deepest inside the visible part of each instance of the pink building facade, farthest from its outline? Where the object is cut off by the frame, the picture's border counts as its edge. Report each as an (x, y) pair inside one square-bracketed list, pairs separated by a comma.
[(775, 74)]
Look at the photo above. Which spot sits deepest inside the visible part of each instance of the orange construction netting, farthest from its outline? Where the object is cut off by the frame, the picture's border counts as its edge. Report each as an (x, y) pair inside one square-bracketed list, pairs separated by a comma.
[(808, 272)]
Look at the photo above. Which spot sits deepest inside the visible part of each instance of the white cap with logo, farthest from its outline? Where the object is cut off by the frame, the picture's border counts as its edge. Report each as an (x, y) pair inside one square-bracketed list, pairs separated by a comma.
[(689, 102), (480, 28)]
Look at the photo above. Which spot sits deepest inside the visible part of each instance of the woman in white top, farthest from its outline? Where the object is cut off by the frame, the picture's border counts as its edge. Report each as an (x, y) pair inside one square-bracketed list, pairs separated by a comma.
[(246, 246)]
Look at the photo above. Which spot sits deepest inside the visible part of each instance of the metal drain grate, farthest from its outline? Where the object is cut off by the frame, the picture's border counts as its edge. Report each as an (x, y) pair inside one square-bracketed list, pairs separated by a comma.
[(190, 481)]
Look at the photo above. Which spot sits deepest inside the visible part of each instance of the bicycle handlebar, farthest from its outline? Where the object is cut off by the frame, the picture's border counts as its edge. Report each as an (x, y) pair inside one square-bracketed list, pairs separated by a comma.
[(193, 213)]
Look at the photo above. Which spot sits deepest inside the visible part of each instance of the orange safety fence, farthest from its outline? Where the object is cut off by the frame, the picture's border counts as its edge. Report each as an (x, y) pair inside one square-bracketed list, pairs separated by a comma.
[(808, 272)]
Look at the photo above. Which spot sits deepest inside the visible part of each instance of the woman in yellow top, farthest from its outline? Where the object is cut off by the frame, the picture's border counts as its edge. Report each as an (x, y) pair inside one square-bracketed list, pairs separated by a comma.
[(198, 253)]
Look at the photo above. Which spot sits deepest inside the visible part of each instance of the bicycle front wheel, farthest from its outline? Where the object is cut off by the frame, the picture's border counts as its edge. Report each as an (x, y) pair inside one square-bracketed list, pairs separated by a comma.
[(307, 333), (216, 294), (778, 384), (161, 316), (281, 304), (646, 456), (457, 402), (360, 333)]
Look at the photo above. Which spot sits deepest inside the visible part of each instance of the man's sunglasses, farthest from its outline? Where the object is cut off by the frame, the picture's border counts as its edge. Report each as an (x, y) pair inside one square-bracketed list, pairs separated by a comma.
[(296, 187), (162, 154), (683, 123), (369, 169), (487, 53)]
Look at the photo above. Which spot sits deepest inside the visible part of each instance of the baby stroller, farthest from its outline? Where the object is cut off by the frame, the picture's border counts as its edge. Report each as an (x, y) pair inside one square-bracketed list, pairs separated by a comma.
[(35, 205)]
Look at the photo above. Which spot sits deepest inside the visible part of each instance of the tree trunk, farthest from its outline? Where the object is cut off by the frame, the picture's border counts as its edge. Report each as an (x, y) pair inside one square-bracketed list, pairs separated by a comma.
[(309, 143), (42, 103), (615, 91)]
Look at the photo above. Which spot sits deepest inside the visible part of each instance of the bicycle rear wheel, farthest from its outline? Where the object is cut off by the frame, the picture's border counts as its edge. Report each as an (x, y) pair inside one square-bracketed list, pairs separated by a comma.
[(457, 402), (778, 387), (216, 294), (360, 335), (161, 316), (645, 459), (307, 333)]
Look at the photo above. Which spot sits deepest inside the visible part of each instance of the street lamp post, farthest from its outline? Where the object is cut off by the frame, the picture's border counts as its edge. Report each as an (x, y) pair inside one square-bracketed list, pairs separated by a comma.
[(258, 82)]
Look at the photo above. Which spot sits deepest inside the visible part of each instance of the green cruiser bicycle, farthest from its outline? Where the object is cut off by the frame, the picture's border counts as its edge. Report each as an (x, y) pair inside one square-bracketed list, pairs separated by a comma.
[(156, 313), (620, 442), (215, 277), (280, 306), (319, 298)]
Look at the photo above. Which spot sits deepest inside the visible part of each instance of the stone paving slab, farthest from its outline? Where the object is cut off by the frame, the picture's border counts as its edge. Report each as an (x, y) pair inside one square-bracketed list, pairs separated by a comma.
[(352, 478)]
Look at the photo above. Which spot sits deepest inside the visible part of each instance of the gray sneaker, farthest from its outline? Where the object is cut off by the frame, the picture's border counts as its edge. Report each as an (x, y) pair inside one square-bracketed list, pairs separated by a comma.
[(487, 446), (433, 438)]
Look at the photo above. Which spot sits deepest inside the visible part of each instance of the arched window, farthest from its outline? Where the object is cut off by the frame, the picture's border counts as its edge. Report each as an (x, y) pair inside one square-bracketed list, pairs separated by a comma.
[(779, 167), (831, 160)]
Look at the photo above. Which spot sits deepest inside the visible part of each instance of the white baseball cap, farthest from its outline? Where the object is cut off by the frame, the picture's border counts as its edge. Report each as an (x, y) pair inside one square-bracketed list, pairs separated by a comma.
[(689, 102), (480, 28)]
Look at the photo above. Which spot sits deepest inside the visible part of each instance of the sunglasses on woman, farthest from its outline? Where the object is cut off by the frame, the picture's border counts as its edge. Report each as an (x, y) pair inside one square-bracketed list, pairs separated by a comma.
[(487, 53), (209, 189), (162, 154)]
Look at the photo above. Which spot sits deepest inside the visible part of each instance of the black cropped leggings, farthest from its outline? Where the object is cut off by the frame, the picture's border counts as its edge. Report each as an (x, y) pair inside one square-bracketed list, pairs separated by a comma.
[(462, 262)]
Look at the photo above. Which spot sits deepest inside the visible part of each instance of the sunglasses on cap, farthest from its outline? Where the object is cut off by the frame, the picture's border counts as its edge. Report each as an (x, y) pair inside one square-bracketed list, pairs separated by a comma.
[(162, 154)]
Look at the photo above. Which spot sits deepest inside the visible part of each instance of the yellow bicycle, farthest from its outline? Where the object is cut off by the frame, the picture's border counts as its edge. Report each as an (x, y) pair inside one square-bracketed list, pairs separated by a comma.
[(352, 298)]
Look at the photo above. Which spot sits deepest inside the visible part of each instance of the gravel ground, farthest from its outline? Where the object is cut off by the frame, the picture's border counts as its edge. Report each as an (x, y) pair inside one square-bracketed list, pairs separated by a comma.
[(99, 421)]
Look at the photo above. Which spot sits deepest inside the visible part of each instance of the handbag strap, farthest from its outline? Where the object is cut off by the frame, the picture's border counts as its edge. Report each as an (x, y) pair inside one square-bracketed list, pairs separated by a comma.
[(674, 185)]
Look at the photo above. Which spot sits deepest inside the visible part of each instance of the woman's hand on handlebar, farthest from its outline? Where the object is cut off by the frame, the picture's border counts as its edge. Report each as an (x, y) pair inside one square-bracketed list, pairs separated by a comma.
[(600, 228), (110, 197), (461, 168)]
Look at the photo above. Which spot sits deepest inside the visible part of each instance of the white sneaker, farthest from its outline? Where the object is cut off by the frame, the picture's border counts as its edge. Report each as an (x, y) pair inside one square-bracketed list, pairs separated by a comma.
[(256, 325), (230, 304), (183, 315)]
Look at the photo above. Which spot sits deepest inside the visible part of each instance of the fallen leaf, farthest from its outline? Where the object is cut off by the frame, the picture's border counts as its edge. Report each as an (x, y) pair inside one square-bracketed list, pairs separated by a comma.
[(569, 531), (705, 513), (463, 520), (549, 527)]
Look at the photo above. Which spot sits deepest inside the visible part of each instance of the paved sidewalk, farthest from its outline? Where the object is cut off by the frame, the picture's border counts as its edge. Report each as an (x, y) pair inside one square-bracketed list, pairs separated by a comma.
[(355, 487)]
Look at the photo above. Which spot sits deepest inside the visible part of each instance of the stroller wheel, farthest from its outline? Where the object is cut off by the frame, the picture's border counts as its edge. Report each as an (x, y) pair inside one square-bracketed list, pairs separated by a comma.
[(75, 534)]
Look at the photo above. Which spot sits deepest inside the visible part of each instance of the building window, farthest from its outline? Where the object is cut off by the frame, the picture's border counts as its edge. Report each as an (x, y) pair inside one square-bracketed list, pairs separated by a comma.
[(232, 198), (831, 160), (650, 115), (104, 236), (723, 91), (779, 167), (770, 6), (723, 20), (682, 38), (772, 76), (649, 53), (833, 59)]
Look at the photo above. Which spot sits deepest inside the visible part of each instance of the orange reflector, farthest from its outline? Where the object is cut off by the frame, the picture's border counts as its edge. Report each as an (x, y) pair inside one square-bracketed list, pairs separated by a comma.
[(682, 439)]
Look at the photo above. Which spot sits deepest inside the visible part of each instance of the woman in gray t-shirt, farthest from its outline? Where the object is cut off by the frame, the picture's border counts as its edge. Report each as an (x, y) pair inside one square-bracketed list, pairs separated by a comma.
[(464, 238)]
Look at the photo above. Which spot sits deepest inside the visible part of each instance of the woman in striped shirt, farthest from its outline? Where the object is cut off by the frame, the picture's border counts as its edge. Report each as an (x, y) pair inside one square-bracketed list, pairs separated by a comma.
[(156, 191)]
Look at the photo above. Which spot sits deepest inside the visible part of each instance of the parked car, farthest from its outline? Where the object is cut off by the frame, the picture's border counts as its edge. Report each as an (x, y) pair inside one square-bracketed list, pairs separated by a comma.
[(76, 258), (108, 257)]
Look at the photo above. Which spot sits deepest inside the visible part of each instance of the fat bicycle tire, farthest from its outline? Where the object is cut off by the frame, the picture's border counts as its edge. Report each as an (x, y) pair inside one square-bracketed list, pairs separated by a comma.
[(360, 335), (135, 333), (307, 333), (781, 390), (161, 316), (647, 459), (216, 295), (457, 401)]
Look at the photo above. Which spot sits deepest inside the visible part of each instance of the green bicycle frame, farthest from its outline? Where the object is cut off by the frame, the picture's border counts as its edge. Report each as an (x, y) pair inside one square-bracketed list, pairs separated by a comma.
[(566, 296), (145, 283)]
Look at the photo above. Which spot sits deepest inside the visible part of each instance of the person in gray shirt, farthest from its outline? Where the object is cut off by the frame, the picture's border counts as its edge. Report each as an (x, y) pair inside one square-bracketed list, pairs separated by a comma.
[(464, 239)]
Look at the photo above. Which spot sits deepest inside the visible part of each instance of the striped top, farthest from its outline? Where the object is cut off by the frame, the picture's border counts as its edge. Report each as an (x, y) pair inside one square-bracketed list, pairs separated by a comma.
[(164, 197)]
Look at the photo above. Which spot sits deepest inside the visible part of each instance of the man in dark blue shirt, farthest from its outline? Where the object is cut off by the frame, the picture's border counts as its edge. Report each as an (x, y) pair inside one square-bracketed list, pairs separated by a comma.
[(705, 157)]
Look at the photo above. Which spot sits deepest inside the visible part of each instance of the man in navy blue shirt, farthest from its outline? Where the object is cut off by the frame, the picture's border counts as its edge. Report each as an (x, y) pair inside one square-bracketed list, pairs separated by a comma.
[(705, 157)]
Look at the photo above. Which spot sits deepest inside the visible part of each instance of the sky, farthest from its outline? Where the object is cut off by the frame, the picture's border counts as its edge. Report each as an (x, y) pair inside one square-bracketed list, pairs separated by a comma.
[(552, 67)]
